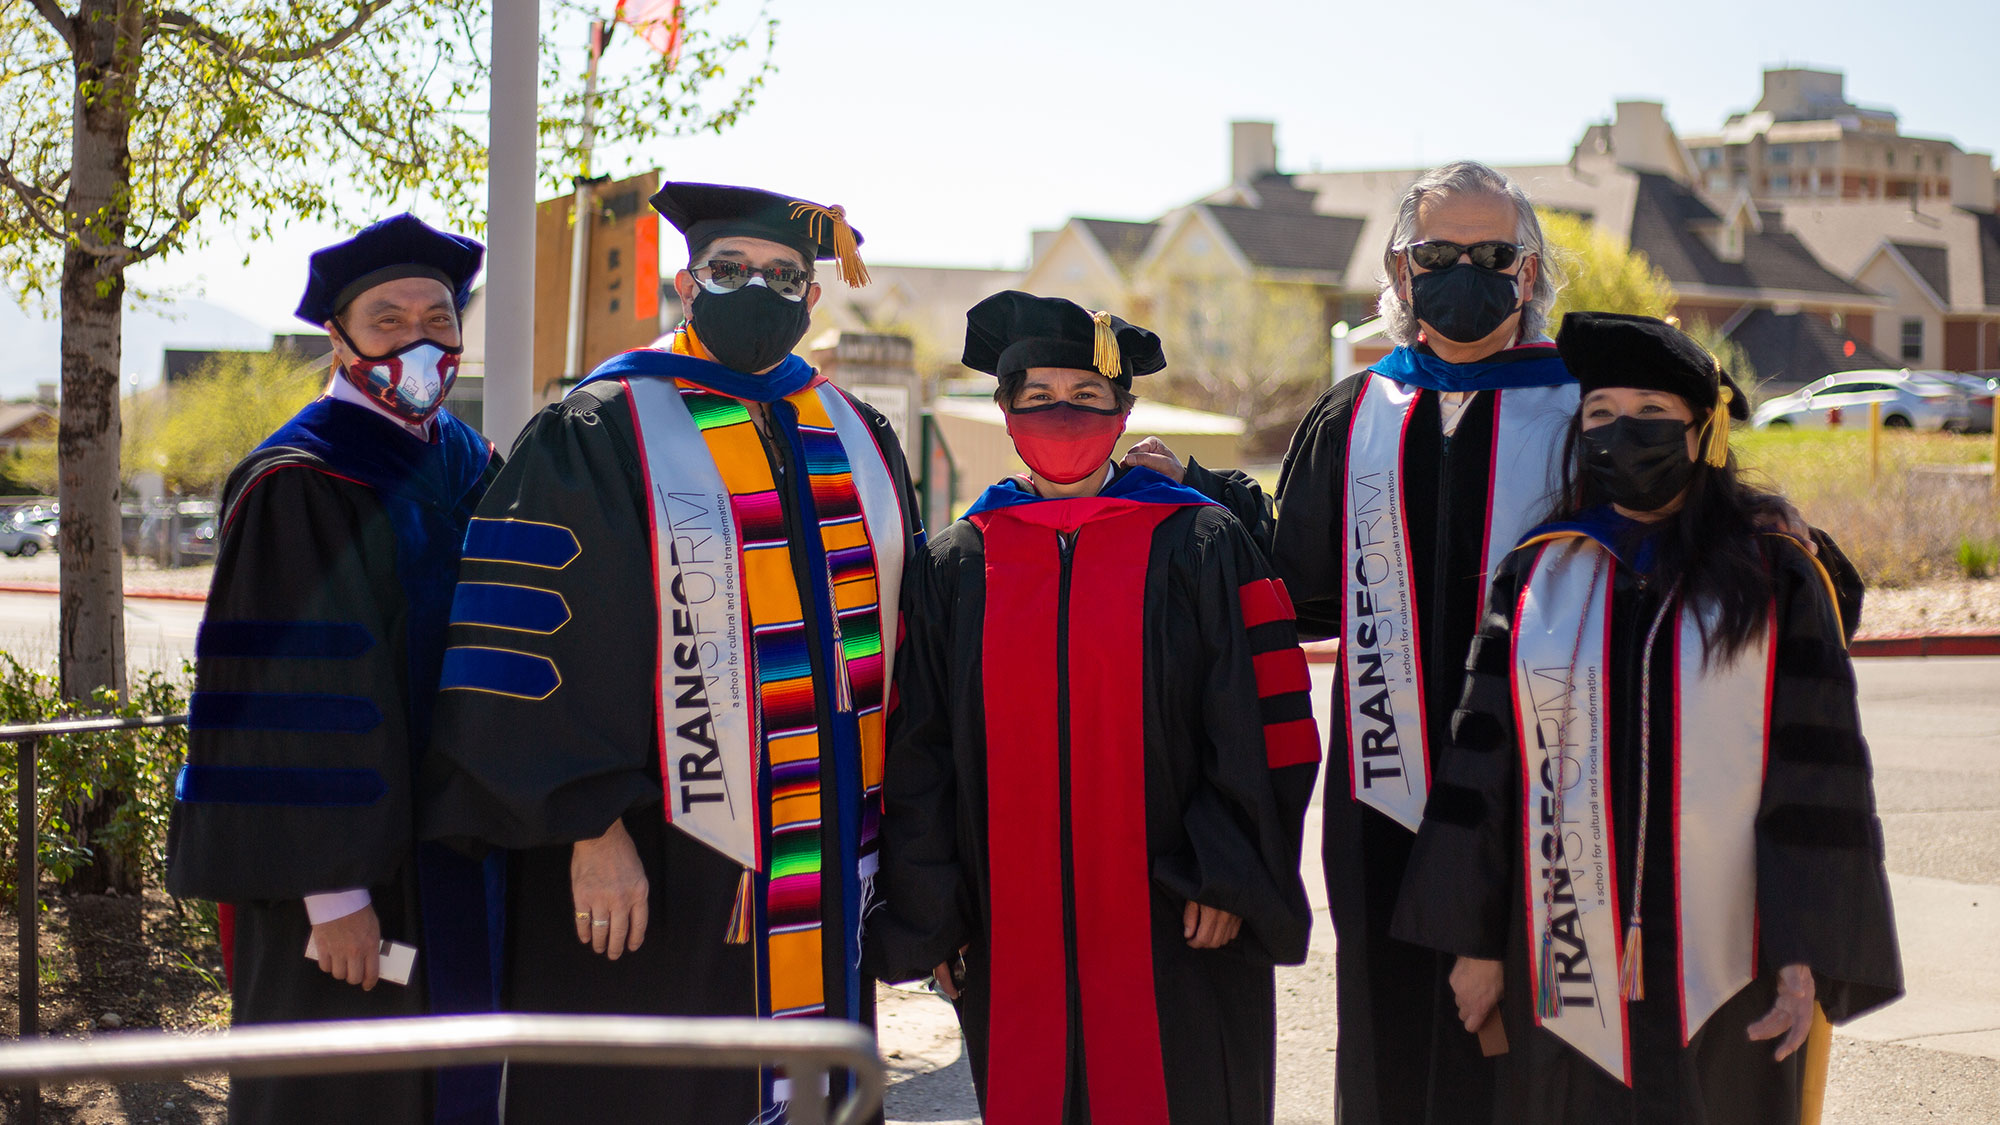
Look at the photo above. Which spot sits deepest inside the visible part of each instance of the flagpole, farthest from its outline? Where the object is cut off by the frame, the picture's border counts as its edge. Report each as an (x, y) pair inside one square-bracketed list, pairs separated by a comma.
[(510, 221), (582, 211)]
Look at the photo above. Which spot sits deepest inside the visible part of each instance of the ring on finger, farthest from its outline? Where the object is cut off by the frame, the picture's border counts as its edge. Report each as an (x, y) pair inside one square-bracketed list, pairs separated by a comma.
[(583, 915), (596, 922)]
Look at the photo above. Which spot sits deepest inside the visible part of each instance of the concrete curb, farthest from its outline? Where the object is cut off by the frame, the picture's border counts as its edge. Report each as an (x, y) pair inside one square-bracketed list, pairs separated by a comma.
[(150, 595), (1894, 644)]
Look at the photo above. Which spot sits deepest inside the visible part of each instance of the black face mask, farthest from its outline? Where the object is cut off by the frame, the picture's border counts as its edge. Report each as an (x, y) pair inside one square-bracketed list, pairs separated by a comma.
[(750, 329), (1463, 303), (1639, 464)]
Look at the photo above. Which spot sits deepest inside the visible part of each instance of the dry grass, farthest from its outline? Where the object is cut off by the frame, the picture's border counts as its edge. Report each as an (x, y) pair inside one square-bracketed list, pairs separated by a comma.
[(1906, 527)]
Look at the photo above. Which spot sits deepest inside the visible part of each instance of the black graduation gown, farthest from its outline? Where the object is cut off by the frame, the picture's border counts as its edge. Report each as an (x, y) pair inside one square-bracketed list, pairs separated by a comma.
[(536, 776), (1822, 892), (1222, 823), (314, 672)]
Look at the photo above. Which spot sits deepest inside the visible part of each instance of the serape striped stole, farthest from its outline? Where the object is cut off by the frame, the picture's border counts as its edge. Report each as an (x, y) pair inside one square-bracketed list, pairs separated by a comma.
[(824, 591)]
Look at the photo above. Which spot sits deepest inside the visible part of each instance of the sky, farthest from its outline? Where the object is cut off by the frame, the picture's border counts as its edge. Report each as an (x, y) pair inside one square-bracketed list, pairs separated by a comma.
[(950, 131)]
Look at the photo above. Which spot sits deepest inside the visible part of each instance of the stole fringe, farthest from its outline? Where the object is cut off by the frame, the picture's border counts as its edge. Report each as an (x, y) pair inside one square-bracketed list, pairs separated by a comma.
[(741, 915), (1632, 966), (1548, 1001)]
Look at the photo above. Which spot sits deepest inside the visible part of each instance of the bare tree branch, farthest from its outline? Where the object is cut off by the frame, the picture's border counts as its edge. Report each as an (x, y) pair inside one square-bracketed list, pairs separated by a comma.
[(61, 21), (186, 24), (35, 200)]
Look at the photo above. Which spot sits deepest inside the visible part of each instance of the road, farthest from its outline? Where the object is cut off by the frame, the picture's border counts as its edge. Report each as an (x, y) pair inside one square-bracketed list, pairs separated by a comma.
[(1934, 728)]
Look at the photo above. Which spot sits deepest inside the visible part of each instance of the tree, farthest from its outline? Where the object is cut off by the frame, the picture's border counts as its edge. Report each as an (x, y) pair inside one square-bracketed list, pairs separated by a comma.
[(1600, 273), (222, 412), (134, 127), (1255, 350)]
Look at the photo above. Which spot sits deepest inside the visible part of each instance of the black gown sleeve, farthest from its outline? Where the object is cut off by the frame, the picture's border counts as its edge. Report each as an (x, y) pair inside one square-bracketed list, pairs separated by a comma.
[(1306, 548), (1241, 494), (1457, 890), (924, 915), (547, 706), (1259, 752), (1822, 890), (298, 770)]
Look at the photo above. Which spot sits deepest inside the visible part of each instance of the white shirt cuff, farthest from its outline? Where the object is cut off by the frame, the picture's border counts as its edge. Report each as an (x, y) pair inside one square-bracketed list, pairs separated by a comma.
[(335, 904)]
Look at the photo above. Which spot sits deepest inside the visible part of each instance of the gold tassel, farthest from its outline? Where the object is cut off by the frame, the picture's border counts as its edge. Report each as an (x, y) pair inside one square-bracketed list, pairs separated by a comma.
[(846, 249), (1717, 452), (1105, 355), (1632, 967), (740, 915)]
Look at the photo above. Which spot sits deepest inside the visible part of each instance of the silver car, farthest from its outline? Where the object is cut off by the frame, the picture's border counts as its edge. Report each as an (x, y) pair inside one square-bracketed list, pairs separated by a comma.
[(1980, 388), (25, 540), (1911, 400)]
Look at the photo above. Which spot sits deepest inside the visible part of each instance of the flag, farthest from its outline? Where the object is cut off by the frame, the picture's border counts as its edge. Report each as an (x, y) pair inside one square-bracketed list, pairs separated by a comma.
[(658, 22)]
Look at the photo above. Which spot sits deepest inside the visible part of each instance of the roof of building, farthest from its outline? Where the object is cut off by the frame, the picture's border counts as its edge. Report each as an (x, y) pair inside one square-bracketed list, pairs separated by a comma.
[(1290, 240), (1665, 223), (1275, 191), (17, 416), (1790, 350), (1123, 242), (1932, 263)]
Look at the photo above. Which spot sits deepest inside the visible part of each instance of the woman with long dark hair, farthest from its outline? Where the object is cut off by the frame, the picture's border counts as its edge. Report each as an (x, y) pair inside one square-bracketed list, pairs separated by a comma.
[(1651, 843)]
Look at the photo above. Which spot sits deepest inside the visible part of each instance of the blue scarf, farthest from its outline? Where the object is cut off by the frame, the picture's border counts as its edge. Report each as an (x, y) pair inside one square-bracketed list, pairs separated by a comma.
[(1142, 485), (1533, 365), (1632, 542), (782, 381)]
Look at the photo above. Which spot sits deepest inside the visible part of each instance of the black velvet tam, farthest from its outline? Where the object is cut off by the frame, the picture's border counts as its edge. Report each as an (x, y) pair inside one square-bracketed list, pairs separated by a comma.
[(397, 247), (1621, 350), (706, 212), (1012, 331)]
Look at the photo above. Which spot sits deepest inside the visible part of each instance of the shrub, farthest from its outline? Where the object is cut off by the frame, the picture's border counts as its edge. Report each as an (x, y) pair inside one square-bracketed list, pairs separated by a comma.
[(139, 766), (1976, 559)]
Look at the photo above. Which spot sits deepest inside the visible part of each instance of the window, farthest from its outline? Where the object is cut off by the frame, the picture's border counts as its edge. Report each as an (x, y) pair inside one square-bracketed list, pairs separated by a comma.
[(1781, 181), (1889, 157), (1780, 154), (1711, 158), (1812, 154), (1913, 339)]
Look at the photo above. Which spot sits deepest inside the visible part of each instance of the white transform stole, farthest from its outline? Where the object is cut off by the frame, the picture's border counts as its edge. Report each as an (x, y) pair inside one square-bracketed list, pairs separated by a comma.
[(1562, 689), (710, 729), (1381, 658)]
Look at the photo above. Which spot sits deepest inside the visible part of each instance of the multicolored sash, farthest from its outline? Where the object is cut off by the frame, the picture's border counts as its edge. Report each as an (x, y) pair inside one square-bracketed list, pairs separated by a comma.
[(1562, 686), (1381, 657), (739, 708)]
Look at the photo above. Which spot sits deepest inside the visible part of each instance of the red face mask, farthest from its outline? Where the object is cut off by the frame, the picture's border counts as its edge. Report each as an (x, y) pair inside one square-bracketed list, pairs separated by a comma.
[(1063, 442)]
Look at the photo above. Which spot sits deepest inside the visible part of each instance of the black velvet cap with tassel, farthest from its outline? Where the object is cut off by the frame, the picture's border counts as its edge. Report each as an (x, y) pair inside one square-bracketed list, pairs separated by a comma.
[(1012, 331), (1623, 350), (706, 212)]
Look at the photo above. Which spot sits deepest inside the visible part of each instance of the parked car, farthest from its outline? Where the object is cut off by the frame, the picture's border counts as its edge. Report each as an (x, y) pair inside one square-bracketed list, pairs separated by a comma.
[(1980, 387), (198, 543), (1910, 400), (26, 540)]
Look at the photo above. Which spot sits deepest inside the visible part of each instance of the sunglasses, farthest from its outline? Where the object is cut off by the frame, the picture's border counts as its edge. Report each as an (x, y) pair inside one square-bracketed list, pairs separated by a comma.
[(729, 276), (1437, 254)]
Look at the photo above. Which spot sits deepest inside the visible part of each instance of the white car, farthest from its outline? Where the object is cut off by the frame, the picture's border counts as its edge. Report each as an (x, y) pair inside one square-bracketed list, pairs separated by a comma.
[(1910, 400)]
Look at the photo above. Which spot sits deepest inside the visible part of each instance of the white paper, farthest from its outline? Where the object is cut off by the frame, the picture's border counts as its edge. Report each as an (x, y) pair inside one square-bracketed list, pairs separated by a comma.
[(396, 960)]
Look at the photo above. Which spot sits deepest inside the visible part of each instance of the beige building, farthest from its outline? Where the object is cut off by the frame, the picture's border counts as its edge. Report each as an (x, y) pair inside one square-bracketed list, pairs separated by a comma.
[(1805, 140)]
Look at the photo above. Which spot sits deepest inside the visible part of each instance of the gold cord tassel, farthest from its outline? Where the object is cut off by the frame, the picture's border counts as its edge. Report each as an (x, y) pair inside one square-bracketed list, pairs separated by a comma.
[(846, 248), (740, 915), (1632, 966), (1717, 452), (1105, 354)]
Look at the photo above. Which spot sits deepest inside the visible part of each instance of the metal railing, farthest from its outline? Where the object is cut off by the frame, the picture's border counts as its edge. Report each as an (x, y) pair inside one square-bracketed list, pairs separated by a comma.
[(808, 1051), (27, 740)]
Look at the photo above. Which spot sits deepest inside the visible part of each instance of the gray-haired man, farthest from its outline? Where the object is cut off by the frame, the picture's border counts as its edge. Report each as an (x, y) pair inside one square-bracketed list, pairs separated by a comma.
[(1402, 488)]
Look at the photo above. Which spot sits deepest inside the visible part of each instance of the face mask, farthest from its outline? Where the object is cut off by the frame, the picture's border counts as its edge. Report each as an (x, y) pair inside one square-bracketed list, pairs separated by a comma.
[(1639, 464), (1463, 303), (410, 382), (1063, 442), (751, 328)]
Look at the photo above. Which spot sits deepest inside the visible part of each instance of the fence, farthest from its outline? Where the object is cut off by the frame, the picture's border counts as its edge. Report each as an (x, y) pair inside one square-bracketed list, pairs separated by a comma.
[(808, 1051)]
